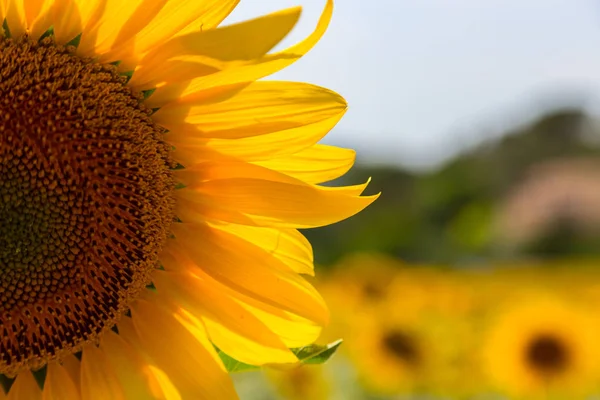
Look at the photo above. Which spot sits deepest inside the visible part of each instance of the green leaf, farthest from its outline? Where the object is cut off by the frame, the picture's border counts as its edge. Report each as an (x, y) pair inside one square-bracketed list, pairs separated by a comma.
[(316, 354), (233, 365), (312, 354)]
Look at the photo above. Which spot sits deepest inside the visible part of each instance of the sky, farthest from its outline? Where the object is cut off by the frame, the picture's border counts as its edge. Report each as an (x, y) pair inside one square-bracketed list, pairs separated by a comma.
[(427, 78)]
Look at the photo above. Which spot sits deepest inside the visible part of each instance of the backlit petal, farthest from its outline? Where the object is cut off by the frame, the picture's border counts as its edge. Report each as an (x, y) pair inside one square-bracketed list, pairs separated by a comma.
[(242, 111), (134, 374), (98, 379), (247, 72), (229, 326), (317, 164), (58, 384), (247, 268), (190, 363), (25, 387), (248, 40)]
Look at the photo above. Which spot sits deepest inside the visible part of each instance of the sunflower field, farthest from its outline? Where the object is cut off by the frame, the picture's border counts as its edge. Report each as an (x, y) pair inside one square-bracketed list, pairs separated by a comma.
[(511, 331)]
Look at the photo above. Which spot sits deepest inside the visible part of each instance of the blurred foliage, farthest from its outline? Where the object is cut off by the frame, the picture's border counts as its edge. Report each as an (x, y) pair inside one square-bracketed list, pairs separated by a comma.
[(448, 215)]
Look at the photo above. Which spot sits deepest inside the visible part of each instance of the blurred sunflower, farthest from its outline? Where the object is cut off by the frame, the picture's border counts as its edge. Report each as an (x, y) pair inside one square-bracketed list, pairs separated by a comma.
[(542, 346), (150, 191), (302, 382), (395, 349)]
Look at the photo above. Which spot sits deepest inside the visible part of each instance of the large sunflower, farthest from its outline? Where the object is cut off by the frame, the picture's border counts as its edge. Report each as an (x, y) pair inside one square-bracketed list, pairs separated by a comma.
[(150, 192), (541, 346)]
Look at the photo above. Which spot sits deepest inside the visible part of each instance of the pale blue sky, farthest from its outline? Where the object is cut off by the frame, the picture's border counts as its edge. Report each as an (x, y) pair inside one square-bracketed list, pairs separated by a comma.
[(425, 78)]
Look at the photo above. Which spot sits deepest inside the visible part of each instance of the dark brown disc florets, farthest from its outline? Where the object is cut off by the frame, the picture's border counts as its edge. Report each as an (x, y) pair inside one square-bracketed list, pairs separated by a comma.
[(85, 200), (547, 355), (402, 346)]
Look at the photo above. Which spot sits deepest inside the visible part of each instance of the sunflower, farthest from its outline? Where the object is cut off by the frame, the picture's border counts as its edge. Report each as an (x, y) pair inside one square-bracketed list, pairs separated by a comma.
[(400, 349), (542, 346), (150, 194), (301, 383)]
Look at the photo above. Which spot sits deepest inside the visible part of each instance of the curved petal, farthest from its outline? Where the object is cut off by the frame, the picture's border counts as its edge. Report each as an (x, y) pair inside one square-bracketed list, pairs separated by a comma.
[(58, 384), (287, 245), (247, 40), (25, 387), (317, 164), (14, 13), (134, 374), (174, 17), (98, 379), (244, 267), (73, 367), (115, 22), (187, 357), (255, 148), (38, 16), (292, 330), (241, 111), (251, 201), (247, 72), (231, 328), (166, 389)]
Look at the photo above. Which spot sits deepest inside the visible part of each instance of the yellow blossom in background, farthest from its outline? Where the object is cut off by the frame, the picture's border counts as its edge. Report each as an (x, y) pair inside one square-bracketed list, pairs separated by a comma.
[(302, 382), (165, 183), (539, 346)]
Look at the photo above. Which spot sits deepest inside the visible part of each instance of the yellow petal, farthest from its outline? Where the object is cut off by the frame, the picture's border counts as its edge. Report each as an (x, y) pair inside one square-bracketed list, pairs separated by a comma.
[(317, 164), (58, 384), (230, 327), (98, 379), (73, 368), (247, 72), (293, 330), (250, 201), (191, 364), (244, 41), (165, 389), (242, 111), (173, 18), (114, 22), (134, 374), (287, 245), (247, 268), (38, 14), (14, 13), (169, 390), (255, 148), (25, 387), (74, 17)]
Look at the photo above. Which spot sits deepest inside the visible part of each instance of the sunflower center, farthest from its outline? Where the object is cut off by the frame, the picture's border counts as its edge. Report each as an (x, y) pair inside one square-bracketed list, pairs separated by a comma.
[(85, 200), (402, 346), (547, 354)]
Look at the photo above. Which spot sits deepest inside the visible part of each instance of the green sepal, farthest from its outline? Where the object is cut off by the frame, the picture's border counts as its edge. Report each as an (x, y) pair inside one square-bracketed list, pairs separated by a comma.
[(127, 75), (6, 29), (148, 93), (233, 365), (40, 376), (48, 33), (316, 354), (311, 354), (75, 41)]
